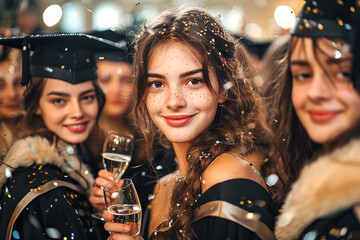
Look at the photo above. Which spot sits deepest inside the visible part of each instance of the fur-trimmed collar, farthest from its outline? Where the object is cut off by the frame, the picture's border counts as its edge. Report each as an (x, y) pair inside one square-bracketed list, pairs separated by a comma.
[(38, 150), (329, 184)]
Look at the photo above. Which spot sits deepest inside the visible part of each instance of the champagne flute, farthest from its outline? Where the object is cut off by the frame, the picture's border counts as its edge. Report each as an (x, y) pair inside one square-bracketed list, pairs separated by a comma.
[(116, 156), (117, 151), (121, 200)]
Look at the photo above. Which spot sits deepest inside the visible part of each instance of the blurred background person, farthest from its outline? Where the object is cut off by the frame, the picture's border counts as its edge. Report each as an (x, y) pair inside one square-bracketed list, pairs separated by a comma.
[(11, 92), (115, 79), (28, 21)]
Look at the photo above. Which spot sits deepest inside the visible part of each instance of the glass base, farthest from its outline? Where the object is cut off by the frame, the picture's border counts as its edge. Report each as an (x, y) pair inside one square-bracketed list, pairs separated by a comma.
[(98, 215)]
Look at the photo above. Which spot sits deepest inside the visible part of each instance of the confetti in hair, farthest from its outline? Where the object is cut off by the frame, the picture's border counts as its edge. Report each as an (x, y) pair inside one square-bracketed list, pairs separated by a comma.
[(228, 85)]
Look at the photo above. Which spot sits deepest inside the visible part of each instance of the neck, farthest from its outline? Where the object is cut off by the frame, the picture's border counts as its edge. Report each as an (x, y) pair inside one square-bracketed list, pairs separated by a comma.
[(118, 123), (180, 150), (11, 124), (256, 159)]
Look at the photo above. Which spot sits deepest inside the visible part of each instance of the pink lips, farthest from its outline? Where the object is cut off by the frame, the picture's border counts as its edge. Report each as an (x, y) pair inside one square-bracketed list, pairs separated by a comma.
[(178, 120), (323, 116), (77, 128), (13, 105)]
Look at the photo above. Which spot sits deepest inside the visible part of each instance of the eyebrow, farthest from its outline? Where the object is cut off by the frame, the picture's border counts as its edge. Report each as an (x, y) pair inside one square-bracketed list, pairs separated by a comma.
[(337, 61), (328, 61), (182, 75), (62, 94), (299, 63)]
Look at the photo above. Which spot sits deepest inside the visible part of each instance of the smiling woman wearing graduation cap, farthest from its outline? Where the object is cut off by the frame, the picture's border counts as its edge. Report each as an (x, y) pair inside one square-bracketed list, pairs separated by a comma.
[(45, 189), (318, 130)]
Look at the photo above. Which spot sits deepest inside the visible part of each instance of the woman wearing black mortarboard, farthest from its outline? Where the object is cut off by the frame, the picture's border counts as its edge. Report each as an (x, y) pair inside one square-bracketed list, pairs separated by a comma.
[(318, 131), (44, 182)]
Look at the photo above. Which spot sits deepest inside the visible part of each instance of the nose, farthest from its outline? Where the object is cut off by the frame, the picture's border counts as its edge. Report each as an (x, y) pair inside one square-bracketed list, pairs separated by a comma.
[(75, 110), (12, 92), (321, 88), (175, 98)]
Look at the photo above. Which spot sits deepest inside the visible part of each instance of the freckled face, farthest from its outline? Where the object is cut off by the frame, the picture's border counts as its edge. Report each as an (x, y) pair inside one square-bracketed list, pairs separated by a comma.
[(323, 97), (178, 100)]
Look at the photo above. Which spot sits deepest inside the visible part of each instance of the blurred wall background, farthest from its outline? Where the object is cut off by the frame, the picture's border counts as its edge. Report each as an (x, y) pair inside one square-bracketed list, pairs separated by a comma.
[(259, 20)]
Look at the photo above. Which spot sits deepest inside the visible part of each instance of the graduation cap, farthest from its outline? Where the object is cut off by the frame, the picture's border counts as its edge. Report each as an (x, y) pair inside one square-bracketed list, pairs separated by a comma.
[(356, 49), (325, 18), (123, 39), (68, 57), (258, 48)]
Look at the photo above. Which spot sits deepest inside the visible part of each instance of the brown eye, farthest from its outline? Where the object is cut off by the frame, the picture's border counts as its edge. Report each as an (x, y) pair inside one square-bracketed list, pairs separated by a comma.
[(17, 83), (343, 75), (195, 81), (302, 76), (156, 84)]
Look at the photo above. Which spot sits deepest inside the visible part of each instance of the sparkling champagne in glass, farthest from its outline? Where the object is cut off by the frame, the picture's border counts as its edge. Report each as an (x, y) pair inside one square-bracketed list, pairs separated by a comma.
[(121, 199), (117, 151), (116, 155)]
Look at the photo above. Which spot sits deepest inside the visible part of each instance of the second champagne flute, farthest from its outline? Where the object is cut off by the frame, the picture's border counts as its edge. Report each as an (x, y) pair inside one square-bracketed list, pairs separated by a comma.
[(121, 199), (117, 152)]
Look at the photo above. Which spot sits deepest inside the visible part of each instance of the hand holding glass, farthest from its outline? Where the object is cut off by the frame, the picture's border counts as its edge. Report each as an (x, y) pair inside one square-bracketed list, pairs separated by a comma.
[(122, 201), (116, 156)]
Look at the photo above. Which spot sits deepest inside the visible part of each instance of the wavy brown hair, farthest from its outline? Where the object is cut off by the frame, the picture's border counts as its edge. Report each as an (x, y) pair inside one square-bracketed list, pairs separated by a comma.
[(239, 124)]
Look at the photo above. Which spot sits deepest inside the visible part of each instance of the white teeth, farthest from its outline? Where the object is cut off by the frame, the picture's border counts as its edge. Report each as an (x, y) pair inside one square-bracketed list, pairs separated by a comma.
[(76, 126)]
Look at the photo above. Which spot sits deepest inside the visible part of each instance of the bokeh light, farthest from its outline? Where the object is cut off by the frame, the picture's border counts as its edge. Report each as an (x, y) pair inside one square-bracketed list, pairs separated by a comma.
[(52, 15), (284, 17), (106, 15), (253, 30)]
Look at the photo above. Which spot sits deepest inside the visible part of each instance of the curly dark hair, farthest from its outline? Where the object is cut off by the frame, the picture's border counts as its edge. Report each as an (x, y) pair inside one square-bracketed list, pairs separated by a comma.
[(239, 124)]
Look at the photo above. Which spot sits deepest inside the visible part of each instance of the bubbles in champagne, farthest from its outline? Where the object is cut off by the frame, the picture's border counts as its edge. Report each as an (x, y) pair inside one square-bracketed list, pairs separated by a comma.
[(116, 163), (129, 214)]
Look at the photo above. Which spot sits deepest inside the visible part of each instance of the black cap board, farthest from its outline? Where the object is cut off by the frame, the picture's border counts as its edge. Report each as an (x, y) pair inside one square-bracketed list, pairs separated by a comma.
[(68, 57), (325, 18), (120, 37)]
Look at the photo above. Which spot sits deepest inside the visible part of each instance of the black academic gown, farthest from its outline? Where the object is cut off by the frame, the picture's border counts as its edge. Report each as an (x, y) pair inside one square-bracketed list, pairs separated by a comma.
[(236, 209), (47, 194), (324, 202)]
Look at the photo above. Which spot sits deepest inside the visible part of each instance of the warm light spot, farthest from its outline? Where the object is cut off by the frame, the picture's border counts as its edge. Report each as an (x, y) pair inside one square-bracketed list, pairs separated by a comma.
[(52, 15), (284, 17)]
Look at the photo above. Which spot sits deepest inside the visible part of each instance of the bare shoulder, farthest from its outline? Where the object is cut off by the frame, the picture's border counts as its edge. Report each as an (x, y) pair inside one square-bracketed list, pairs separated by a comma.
[(163, 186), (226, 167), (163, 180), (161, 201)]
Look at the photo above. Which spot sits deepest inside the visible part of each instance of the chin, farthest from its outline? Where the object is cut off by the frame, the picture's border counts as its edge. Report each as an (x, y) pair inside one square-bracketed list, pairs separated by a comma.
[(75, 139), (323, 139), (10, 114), (116, 113)]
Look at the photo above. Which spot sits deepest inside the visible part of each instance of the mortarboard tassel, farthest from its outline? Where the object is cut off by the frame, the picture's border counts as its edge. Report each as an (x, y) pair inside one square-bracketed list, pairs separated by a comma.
[(26, 75)]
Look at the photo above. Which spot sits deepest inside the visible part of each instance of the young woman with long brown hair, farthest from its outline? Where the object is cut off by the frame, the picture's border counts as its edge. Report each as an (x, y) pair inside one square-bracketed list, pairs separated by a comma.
[(318, 106), (192, 87), (44, 180)]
